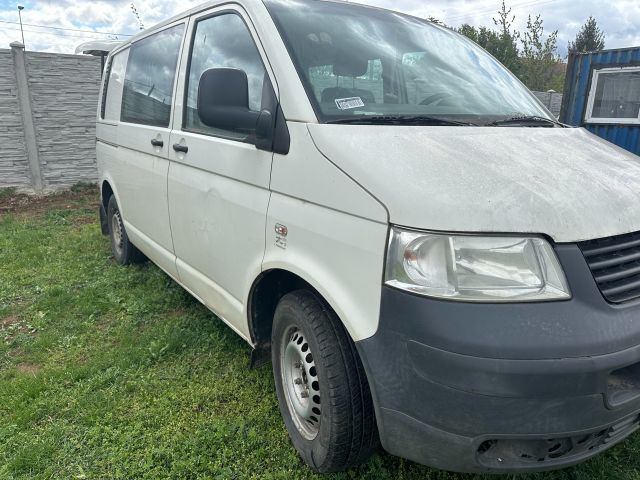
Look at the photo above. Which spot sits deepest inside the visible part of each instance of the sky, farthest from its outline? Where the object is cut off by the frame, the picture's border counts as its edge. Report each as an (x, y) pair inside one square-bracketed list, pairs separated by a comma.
[(76, 20)]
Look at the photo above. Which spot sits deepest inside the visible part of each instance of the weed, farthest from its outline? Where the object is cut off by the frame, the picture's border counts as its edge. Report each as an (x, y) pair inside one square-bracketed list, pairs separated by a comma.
[(7, 192)]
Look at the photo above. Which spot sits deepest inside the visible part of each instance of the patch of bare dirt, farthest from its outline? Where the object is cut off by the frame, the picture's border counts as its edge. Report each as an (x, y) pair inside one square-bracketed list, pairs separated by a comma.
[(35, 205), (12, 326), (16, 353), (81, 221), (9, 321), (28, 368), (177, 312)]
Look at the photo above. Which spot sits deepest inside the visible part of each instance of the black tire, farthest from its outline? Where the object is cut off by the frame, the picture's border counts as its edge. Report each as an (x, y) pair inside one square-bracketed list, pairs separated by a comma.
[(346, 431), (124, 252)]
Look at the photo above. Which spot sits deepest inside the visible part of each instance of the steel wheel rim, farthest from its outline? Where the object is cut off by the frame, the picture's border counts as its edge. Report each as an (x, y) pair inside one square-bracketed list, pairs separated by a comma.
[(300, 383), (117, 229)]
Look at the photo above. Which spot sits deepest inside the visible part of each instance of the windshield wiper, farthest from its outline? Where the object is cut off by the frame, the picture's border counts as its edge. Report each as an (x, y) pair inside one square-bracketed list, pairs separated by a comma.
[(422, 120), (526, 120)]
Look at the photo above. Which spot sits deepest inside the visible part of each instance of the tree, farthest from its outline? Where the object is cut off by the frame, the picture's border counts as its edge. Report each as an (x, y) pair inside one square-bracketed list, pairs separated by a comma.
[(532, 56), (502, 44), (508, 40), (485, 37), (589, 39), (540, 59)]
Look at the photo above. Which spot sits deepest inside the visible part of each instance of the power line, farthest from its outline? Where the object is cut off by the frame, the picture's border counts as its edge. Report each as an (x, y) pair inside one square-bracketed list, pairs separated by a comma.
[(513, 7), (53, 34), (68, 29), (526, 3)]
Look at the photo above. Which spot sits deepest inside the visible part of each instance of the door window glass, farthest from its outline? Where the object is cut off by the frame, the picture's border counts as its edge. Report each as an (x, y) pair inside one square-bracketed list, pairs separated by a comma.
[(223, 41), (148, 86)]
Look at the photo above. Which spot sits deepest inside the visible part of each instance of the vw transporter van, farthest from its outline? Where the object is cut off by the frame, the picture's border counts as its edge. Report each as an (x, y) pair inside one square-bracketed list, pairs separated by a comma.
[(430, 261)]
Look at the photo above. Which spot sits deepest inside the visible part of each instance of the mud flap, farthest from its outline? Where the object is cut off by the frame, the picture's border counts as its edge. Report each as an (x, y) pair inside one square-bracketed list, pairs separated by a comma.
[(260, 355), (104, 226)]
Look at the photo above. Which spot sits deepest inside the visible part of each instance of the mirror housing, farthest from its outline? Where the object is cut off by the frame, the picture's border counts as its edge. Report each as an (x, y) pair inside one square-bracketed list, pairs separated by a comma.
[(223, 102), (264, 130)]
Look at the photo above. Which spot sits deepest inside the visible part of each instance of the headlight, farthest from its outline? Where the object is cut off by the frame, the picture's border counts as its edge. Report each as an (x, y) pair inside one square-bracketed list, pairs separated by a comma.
[(475, 268)]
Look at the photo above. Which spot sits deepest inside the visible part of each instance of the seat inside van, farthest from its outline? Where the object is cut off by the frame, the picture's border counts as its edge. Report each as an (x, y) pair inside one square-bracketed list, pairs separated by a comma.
[(350, 68)]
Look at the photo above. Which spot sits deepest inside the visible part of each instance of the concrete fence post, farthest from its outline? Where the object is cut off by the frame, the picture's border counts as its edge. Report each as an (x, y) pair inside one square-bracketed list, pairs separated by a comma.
[(24, 99)]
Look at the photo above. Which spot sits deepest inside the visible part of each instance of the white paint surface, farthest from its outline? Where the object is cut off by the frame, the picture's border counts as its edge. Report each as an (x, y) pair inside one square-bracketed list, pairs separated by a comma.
[(565, 183)]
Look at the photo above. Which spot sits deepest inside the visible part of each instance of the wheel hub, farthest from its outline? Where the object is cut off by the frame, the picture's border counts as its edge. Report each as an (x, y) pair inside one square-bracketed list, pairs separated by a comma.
[(300, 381), (117, 229)]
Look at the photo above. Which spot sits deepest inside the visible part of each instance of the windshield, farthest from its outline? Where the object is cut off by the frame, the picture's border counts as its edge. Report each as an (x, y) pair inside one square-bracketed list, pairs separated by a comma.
[(359, 61)]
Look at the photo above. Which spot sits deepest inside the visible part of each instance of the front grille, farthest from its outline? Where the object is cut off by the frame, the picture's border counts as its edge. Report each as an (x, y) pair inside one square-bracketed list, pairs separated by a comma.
[(615, 263)]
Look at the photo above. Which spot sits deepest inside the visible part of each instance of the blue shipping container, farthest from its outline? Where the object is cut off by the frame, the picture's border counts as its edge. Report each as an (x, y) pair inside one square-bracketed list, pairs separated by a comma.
[(602, 94)]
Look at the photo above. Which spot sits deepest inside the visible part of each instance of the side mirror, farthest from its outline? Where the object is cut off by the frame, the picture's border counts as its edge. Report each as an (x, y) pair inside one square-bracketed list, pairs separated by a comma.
[(223, 100)]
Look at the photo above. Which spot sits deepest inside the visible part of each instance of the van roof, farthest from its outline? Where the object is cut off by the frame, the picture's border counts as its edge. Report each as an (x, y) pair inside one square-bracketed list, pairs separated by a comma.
[(180, 16), (216, 3)]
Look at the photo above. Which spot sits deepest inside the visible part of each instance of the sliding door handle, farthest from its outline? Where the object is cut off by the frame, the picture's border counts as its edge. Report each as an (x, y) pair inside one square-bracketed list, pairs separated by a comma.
[(180, 148), (157, 143)]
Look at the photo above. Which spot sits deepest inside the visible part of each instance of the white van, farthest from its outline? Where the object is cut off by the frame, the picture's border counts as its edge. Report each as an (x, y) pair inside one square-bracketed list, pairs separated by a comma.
[(376, 205)]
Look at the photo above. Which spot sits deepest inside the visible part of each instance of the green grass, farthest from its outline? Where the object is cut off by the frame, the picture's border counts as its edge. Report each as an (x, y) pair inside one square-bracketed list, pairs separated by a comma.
[(6, 192), (109, 372)]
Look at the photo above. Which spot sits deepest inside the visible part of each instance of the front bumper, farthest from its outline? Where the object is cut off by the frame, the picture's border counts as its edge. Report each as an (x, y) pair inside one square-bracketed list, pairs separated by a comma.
[(509, 387)]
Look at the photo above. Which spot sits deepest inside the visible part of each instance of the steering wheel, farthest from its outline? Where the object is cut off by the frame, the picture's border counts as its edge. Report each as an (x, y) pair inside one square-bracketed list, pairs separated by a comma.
[(435, 98)]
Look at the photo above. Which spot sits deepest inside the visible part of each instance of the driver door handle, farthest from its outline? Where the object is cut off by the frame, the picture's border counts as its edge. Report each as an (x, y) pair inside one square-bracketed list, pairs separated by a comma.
[(157, 143), (180, 148)]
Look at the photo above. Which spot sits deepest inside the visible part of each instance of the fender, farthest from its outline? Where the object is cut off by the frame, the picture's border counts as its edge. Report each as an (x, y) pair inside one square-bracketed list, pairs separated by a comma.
[(108, 180), (339, 255)]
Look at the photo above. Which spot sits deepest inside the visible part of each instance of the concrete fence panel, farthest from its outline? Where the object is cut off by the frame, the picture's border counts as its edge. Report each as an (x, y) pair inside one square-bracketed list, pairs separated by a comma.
[(48, 106), (14, 164), (552, 100)]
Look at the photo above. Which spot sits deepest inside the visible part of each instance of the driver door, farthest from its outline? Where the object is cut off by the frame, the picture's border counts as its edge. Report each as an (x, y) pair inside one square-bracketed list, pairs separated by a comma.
[(218, 180)]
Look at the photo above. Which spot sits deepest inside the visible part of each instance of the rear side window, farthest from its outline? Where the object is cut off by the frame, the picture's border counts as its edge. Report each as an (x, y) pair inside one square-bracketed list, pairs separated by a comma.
[(112, 100), (223, 41), (151, 72)]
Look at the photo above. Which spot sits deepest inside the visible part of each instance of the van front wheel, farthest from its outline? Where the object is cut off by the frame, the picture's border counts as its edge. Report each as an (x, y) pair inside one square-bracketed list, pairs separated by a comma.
[(124, 252), (322, 388)]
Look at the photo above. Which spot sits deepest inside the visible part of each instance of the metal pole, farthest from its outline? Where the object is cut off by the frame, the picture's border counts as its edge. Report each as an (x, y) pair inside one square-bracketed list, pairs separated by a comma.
[(20, 8)]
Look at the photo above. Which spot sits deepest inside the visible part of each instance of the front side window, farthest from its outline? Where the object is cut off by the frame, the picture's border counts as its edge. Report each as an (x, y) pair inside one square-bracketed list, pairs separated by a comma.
[(223, 41), (151, 72), (615, 96), (358, 61)]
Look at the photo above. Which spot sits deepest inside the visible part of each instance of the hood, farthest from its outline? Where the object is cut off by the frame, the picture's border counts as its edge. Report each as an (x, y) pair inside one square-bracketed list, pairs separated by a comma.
[(563, 182)]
